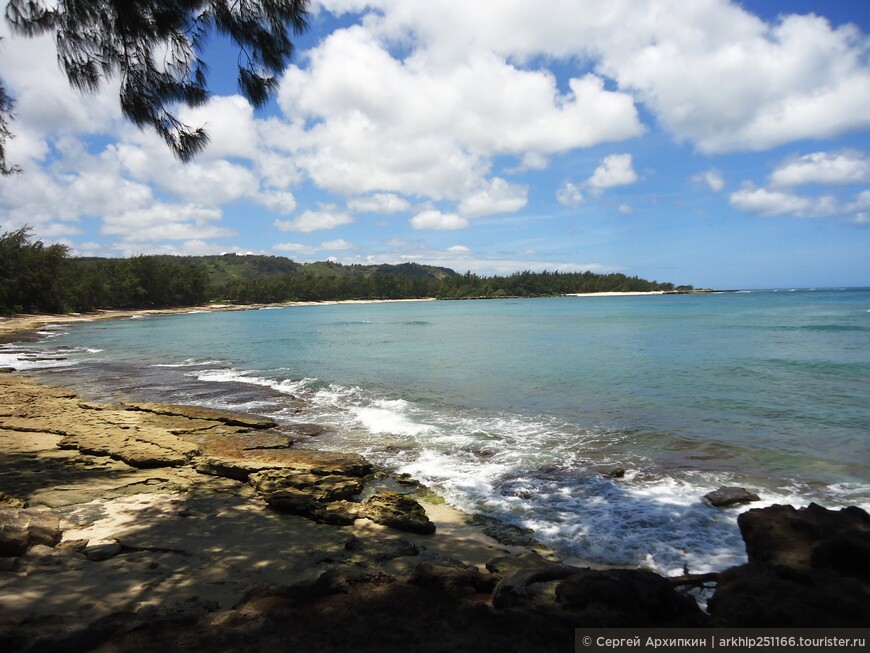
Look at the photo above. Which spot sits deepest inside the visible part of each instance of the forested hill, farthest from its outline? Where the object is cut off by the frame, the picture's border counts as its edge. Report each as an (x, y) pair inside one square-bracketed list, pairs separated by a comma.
[(35, 277)]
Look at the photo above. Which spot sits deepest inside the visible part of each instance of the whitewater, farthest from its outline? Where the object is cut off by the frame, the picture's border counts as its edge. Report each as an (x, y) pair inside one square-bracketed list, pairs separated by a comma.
[(521, 409)]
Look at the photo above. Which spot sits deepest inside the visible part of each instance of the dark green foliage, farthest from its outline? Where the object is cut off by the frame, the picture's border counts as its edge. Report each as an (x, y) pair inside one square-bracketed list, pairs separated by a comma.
[(35, 277), (154, 47), (331, 281), (39, 278), (31, 274)]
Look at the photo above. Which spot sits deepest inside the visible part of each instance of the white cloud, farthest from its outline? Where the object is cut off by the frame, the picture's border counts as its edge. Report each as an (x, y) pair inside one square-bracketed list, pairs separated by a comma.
[(713, 178), (410, 126), (276, 201), (338, 244), (497, 196), (328, 217), (384, 203), (762, 201), (229, 122), (625, 209), (823, 168), (433, 219), (458, 249), (614, 170), (570, 195), (296, 248), (795, 78)]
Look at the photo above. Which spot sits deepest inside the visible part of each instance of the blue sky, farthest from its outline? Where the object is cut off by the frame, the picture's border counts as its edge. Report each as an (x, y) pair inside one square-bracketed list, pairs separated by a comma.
[(713, 143)]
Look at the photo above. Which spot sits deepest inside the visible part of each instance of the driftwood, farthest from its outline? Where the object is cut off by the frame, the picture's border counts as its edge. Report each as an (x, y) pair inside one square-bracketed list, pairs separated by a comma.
[(510, 589), (694, 580)]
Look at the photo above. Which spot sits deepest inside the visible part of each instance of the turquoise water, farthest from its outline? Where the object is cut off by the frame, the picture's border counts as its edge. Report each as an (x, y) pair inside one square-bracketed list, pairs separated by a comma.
[(515, 407)]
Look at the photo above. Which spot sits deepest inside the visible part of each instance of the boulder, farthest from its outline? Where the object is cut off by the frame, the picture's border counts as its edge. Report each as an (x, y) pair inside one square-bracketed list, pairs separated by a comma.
[(806, 566), (449, 578), (102, 550), (730, 496), (298, 502), (329, 487), (627, 598), (398, 511), (809, 538), (21, 528)]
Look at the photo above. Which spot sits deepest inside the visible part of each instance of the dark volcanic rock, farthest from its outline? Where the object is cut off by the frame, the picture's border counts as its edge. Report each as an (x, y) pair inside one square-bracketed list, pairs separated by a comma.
[(398, 511), (426, 574), (730, 496), (627, 598), (807, 566), (809, 538), (759, 595)]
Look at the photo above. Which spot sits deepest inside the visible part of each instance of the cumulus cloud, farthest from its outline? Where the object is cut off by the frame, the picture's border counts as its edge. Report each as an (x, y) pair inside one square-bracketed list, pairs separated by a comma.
[(327, 217), (381, 124), (433, 219), (570, 195), (383, 203), (276, 201), (712, 178), (792, 79), (496, 196), (296, 248), (614, 170), (823, 168), (336, 245)]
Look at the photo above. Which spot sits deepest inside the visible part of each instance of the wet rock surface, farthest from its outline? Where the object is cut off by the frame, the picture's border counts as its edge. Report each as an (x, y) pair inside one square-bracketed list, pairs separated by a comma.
[(730, 496), (398, 511)]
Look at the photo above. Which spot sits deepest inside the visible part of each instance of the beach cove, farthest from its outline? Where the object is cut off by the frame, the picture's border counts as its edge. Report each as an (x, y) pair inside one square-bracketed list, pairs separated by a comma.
[(181, 538)]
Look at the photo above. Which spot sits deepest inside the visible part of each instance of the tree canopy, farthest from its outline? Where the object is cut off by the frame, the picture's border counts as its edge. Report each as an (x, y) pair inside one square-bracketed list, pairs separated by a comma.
[(35, 277), (154, 46)]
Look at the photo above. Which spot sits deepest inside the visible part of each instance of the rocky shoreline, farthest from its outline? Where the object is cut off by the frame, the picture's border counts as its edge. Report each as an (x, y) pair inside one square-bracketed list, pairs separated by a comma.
[(126, 527)]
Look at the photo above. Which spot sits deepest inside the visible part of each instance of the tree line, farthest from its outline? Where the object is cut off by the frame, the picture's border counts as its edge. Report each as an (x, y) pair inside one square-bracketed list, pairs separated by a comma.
[(35, 277), (39, 278), (309, 287)]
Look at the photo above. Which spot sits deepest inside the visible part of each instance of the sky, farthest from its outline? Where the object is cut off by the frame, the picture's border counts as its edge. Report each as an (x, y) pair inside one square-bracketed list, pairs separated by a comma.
[(715, 143)]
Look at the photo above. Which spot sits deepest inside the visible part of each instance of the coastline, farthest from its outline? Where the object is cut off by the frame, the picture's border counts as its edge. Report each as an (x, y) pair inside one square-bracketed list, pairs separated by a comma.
[(19, 327), (183, 517), (153, 509)]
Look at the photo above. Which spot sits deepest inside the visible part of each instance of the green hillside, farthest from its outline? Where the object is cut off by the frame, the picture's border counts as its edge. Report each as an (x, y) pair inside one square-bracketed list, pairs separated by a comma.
[(36, 277)]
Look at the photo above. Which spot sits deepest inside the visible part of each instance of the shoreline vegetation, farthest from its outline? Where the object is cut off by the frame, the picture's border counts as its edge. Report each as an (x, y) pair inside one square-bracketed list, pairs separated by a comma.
[(128, 527), (39, 278)]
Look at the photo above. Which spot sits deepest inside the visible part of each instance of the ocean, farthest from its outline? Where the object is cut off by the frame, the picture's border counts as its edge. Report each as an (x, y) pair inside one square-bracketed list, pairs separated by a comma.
[(519, 408)]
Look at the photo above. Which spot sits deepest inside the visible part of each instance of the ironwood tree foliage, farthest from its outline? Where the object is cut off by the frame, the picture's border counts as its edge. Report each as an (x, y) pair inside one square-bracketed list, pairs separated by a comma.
[(154, 46)]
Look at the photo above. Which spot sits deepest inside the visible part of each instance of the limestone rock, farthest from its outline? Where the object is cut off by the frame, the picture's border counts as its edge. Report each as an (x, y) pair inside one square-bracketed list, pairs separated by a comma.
[(329, 487), (301, 503), (102, 550), (398, 511), (143, 448), (21, 528), (730, 496), (198, 412), (506, 565)]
